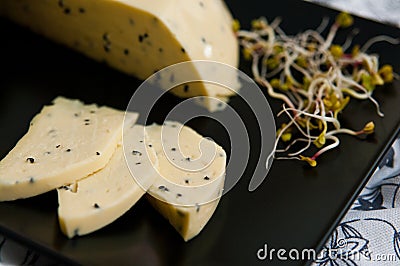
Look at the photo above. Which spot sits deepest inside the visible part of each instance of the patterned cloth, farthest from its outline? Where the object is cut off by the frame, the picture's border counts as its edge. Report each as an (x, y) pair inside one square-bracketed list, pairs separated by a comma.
[(370, 232)]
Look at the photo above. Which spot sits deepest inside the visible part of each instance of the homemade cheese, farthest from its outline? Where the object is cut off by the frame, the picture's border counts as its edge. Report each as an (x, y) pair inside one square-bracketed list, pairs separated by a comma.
[(191, 175), (139, 37), (66, 141), (101, 198)]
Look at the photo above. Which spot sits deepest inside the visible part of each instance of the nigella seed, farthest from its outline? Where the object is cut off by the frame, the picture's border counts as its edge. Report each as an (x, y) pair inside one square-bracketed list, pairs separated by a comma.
[(221, 155), (68, 150), (58, 146), (178, 195), (87, 123), (138, 163), (163, 188), (31, 180), (145, 35), (106, 37), (96, 206), (183, 50), (206, 178), (107, 47), (82, 10), (87, 120), (136, 153), (188, 159), (140, 38), (150, 145), (76, 114), (67, 11), (97, 153), (126, 52), (203, 39), (92, 111), (64, 187), (173, 149), (187, 181), (197, 207), (30, 160), (186, 88), (160, 50)]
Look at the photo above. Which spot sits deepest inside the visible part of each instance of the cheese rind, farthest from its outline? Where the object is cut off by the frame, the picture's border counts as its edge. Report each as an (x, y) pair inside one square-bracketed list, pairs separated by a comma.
[(138, 37), (66, 141), (106, 195), (191, 176)]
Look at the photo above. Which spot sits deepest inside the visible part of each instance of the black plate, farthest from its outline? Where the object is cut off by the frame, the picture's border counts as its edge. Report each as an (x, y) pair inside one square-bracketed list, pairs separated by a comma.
[(295, 207)]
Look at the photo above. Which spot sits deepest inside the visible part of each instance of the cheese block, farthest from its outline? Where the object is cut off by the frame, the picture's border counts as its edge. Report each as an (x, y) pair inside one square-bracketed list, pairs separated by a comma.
[(66, 141), (138, 37), (191, 176), (104, 196)]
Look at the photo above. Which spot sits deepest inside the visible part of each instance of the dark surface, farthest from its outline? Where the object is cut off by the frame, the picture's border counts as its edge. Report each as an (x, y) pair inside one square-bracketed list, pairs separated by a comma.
[(295, 207)]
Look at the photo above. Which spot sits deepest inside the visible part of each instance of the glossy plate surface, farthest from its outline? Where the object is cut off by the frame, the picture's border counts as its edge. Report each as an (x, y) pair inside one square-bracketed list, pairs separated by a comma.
[(295, 207)]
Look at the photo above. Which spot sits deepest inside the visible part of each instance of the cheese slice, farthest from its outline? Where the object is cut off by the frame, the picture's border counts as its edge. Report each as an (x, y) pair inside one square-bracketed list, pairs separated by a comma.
[(191, 175), (139, 37), (104, 196), (66, 141)]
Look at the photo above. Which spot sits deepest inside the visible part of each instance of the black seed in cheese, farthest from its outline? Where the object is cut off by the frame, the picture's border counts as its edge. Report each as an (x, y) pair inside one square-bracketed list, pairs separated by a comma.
[(106, 37), (197, 207), (31, 180), (221, 155), (30, 160), (82, 10), (173, 149), (145, 35), (96, 206), (107, 47), (186, 88), (136, 153), (87, 123), (97, 153), (206, 178), (86, 120), (76, 115), (188, 159), (67, 10), (68, 150), (138, 163), (47, 153), (220, 104), (140, 38), (203, 39), (183, 50), (58, 146), (150, 145), (92, 111), (160, 50), (64, 187), (163, 188), (126, 51), (187, 181), (178, 195)]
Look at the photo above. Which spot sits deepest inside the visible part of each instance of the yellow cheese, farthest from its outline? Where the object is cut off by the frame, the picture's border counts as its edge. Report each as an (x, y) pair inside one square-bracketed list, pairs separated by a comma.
[(101, 198), (191, 176), (138, 37), (66, 141)]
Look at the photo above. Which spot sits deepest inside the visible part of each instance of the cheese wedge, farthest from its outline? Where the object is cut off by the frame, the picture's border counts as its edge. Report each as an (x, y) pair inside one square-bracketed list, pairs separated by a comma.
[(104, 196), (191, 175), (138, 37), (66, 141)]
